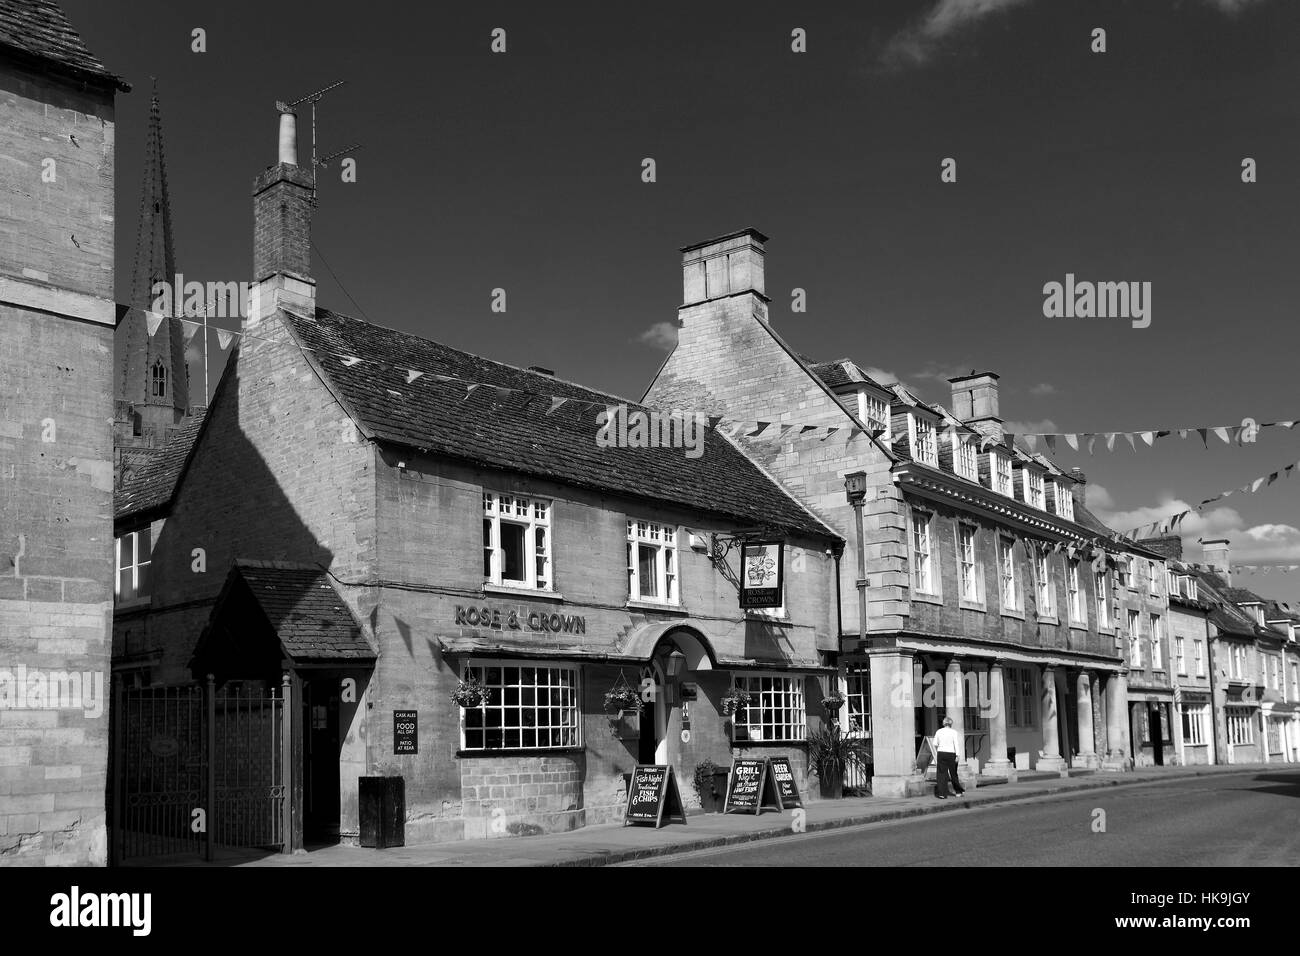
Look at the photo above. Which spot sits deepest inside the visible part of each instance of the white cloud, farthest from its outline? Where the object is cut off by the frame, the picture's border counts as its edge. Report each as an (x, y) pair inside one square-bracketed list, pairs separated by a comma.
[(1232, 7), (661, 335), (1042, 388), (1042, 426), (881, 375), (916, 44)]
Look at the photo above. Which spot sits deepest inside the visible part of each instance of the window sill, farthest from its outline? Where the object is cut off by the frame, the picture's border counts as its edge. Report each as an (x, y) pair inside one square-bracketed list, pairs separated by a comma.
[(768, 743), (1079, 625), (521, 752), (523, 592), (973, 606), (1012, 612), (1049, 619), (926, 597), (652, 606)]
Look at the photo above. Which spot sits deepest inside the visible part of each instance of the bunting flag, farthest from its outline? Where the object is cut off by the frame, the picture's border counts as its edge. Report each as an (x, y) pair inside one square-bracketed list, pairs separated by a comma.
[(1223, 433), (1073, 441), (412, 375), (350, 360), (469, 390), (1250, 488), (1092, 439), (153, 320), (1148, 437), (1110, 441), (224, 338), (1051, 443), (1131, 443), (556, 402)]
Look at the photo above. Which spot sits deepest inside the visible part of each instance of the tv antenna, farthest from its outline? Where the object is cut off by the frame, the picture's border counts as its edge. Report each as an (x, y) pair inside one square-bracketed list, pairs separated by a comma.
[(313, 99), (325, 160)]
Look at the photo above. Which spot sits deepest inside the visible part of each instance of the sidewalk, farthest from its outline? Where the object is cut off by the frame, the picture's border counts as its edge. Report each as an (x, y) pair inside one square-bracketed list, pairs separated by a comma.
[(603, 845)]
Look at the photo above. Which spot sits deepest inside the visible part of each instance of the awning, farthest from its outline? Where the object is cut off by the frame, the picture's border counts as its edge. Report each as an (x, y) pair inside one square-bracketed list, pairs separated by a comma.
[(270, 614)]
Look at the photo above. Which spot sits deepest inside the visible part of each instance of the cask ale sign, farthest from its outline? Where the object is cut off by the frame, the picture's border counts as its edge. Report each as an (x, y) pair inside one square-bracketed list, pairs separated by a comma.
[(750, 787), (652, 797)]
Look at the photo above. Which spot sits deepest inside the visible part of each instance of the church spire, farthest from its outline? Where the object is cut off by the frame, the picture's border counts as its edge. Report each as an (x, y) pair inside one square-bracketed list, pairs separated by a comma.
[(152, 372)]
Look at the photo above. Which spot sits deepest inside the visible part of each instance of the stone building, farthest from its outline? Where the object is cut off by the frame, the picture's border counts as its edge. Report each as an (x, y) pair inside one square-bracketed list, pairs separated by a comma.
[(366, 509), (992, 595), (56, 481)]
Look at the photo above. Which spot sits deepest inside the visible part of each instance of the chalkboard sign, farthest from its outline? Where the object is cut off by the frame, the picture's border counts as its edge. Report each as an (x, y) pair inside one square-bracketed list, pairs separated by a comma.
[(652, 797), (406, 732), (926, 755), (750, 787), (783, 776)]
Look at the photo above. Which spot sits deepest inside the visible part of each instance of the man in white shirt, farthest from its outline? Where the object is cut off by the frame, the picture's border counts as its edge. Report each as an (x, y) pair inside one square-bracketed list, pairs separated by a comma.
[(948, 743)]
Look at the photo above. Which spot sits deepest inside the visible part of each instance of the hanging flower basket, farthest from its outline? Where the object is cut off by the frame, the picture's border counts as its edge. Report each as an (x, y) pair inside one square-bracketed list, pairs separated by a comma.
[(622, 696), (470, 693), (833, 703), (733, 700)]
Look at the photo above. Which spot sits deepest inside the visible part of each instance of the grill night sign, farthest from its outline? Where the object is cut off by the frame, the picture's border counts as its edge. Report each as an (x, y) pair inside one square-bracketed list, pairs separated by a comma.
[(510, 619)]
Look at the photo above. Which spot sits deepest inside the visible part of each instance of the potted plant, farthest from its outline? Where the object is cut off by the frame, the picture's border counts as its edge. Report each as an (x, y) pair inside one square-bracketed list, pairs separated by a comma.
[(622, 696), (733, 700), (471, 693), (833, 702), (831, 753), (705, 781)]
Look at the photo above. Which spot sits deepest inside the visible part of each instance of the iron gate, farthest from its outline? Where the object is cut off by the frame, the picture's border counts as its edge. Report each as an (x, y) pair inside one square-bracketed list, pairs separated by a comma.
[(197, 767)]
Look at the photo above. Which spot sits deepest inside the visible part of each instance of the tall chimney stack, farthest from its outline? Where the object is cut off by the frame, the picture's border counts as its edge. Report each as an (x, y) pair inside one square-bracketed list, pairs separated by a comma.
[(1216, 556), (1080, 487), (283, 199), (975, 402), (727, 266)]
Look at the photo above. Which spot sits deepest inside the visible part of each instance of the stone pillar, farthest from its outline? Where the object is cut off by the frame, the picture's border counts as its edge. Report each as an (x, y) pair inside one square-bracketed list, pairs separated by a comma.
[(1050, 758), (893, 726), (1083, 691), (1117, 754), (998, 764)]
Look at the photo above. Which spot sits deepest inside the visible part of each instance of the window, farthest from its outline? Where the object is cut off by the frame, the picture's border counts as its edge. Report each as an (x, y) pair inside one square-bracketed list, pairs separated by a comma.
[(652, 562), (1007, 574), (1153, 581), (1200, 661), (134, 552), (1064, 501), (966, 562), (1241, 726), (517, 541), (1180, 650), (1000, 468), (922, 572), (964, 460), (874, 413), (1020, 696), (858, 680), (529, 707), (1033, 489), (158, 380), (1046, 606), (1236, 661), (924, 449), (1134, 640), (1077, 613), (1191, 588), (775, 710), (1157, 642), (1295, 681), (1193, 724), (1103, 599)]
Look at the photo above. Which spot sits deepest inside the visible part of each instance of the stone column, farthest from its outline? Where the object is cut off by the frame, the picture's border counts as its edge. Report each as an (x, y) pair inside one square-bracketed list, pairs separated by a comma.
[(893, 726), (1117, 752), (998, 764), (1050, 759), (1083, 691)]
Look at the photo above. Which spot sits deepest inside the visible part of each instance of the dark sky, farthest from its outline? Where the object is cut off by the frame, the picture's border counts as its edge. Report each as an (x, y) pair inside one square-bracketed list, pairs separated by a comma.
[(522, 171)]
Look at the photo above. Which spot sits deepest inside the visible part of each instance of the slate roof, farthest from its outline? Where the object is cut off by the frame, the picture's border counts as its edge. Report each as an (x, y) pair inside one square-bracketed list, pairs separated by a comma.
[(842, 372), (1226, 615), (310, 617), (39, 30), (515, 432), (155, 484)]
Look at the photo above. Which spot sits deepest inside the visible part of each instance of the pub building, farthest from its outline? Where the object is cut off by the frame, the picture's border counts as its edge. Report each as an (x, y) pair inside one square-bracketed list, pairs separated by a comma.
[(374, 542), (985, 589)]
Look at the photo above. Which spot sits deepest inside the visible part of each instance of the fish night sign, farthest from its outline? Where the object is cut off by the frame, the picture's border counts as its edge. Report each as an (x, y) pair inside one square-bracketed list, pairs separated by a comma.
[(762, 573)]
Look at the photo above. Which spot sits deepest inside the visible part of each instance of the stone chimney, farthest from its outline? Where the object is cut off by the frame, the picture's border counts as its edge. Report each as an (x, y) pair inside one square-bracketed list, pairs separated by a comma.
[(723, 268), (1080, 487), (1169, 545), (1216, 556), (283, 200), (975, 402)]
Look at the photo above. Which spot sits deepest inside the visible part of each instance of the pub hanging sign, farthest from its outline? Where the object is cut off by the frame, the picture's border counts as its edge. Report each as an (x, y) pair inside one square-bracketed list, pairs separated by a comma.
[(762, 573)]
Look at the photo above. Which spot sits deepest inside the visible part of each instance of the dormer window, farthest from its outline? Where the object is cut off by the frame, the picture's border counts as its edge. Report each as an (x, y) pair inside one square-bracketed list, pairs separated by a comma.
[(964, 461), (1000, 469), (1033, 489), (924, 448), (874, 414), (1064, 501), (158, 380)]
